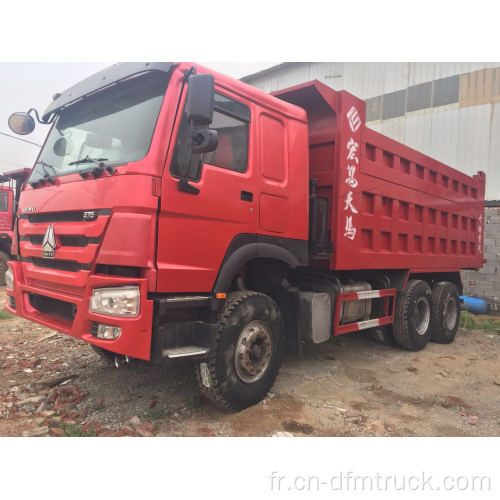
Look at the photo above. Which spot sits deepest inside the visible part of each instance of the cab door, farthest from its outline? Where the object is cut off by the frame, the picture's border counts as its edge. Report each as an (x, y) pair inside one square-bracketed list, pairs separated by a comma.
[(195, 230)]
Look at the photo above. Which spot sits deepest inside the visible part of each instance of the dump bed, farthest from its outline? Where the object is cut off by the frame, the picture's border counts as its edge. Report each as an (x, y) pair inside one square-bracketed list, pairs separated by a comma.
[(389, 205)]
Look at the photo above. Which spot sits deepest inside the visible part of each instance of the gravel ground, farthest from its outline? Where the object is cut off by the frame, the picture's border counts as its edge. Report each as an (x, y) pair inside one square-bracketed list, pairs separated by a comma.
[(52, 384)]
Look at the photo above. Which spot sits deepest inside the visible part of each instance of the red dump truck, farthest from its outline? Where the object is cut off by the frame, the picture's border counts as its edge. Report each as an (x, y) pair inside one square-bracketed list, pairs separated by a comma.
[(176, 212), (10, 188)]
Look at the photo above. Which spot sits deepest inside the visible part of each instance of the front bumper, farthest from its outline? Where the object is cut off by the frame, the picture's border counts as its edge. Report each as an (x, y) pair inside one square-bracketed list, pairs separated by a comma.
[(135, 339)]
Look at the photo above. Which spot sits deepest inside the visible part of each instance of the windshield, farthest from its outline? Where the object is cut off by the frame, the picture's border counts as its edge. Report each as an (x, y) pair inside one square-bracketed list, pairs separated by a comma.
[(114, 125)]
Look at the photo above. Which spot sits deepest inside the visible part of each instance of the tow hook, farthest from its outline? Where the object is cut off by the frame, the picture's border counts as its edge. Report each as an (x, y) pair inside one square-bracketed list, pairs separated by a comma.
[(120, 359)]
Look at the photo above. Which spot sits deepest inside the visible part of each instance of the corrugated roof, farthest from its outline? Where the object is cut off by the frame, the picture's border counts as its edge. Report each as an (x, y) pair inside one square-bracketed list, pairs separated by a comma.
[(267, 70)]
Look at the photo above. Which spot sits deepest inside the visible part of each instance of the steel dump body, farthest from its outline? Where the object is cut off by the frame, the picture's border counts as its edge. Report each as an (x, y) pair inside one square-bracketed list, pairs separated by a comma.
[(390, 207)]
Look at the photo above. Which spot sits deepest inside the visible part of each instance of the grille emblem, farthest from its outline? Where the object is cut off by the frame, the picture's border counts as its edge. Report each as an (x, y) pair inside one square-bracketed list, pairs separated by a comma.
[(89, 215), (49, 243)]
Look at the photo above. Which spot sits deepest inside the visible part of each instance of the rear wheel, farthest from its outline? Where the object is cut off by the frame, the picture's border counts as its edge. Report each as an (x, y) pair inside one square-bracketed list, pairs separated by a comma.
[(248, 352), (412, 322), (4, 257), (445, 312)]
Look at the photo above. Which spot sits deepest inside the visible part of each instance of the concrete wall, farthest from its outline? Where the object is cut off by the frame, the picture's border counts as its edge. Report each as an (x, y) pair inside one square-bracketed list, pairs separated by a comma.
[(485, 283)]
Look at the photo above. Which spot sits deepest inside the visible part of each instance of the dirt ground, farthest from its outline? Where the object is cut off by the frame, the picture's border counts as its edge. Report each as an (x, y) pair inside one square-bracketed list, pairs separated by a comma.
[(52, 384)]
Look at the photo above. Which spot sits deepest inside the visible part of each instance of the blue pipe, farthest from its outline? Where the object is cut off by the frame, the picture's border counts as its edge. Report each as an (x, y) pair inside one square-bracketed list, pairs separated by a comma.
[(473, 305)]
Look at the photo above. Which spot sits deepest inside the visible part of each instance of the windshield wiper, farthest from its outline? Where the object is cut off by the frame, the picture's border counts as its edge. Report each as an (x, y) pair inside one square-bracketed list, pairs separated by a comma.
[(96, 172), (49, 178), (88, 159)]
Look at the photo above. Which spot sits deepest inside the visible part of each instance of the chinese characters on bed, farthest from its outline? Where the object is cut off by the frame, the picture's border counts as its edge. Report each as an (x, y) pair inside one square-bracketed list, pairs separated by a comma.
[(480, 234), (352, 166)]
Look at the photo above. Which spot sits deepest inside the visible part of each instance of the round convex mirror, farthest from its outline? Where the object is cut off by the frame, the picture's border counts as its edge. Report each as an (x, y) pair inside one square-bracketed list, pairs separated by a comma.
[(63, 146), (21, 123)]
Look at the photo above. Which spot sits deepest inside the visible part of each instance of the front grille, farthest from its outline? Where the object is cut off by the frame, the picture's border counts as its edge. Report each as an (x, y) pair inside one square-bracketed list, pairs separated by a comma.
[(76, 216), (54, 307), (74, 251), (61, 265), (65, 241), (125, 271)]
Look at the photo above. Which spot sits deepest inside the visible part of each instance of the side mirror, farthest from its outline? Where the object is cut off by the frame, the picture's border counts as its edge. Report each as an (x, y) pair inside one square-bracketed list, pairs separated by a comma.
[(21, 123), (63, 146), (200, 99), (204, 141)]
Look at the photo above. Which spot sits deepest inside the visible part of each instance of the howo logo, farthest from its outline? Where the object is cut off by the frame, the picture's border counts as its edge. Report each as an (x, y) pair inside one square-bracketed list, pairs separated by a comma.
[(49, 243)]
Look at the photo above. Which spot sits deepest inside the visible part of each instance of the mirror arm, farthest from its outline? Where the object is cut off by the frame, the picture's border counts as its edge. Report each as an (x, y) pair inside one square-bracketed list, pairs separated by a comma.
[(39, 120), (183, 184), (188, 73)]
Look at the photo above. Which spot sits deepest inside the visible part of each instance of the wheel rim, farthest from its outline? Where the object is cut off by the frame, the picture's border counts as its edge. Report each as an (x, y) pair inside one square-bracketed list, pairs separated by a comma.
[(450, 313), (252, 354), (423, 315)]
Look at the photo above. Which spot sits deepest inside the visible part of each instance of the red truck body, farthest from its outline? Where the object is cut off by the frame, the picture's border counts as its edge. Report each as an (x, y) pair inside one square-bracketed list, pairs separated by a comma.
[(389, 209), (408, 210)]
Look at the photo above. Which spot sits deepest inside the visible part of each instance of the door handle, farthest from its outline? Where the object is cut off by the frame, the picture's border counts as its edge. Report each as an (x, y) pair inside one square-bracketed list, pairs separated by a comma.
[(246, 196)]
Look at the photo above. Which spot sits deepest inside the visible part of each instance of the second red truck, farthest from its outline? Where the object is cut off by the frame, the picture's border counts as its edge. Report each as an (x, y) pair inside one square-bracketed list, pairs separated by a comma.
[(174, 211)]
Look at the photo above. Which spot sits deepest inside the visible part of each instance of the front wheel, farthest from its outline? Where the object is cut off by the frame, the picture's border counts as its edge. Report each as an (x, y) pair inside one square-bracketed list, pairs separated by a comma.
[(248, 352)]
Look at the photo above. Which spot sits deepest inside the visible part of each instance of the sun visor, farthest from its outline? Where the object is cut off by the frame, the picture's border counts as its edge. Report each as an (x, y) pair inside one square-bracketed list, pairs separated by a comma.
[(102, 79)]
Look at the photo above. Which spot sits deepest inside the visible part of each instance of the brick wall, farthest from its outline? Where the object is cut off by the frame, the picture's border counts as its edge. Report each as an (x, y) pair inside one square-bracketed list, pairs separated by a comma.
[(485, 283)]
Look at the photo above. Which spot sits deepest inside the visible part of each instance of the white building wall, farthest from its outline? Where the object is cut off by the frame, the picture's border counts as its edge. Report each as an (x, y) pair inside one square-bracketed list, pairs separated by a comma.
[(465, 137)]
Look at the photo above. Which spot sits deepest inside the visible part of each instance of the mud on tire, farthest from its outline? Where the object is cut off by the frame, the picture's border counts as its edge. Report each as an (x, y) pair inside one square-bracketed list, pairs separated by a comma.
[(412, 321), (248, 353), (445, 312)]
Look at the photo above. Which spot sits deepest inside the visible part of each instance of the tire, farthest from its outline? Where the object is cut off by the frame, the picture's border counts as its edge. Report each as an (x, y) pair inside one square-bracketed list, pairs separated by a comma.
[(4, 257), (248, 353), (383, 335), (445, 312), (412, 322)]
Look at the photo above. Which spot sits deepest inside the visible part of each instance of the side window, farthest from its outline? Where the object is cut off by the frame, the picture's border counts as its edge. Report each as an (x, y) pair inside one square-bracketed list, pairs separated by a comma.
[(231, 120), (4, 200)]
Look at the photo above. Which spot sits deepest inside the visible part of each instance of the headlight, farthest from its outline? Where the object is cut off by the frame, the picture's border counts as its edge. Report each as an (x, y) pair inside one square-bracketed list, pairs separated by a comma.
[(122, 301), (9, 279)]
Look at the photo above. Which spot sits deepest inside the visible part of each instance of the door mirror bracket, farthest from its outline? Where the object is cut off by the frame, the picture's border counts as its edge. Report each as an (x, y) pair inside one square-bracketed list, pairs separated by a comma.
[(185, 187), (199, 114)]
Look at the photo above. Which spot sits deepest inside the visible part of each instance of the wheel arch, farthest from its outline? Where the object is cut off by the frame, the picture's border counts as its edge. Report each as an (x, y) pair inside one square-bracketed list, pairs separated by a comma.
[(253, 248), (438, 277)]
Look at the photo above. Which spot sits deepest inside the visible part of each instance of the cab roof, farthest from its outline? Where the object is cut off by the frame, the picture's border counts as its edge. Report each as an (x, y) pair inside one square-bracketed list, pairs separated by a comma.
[(120, 71)]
